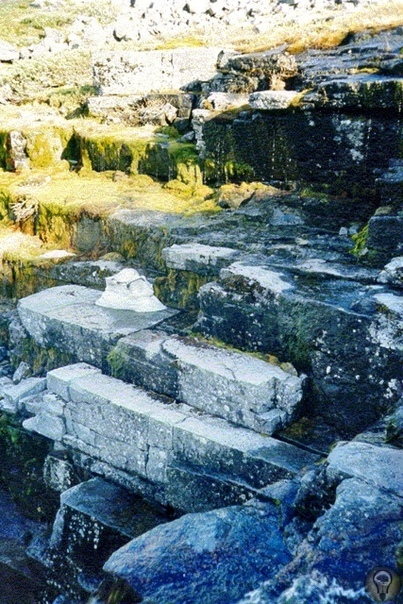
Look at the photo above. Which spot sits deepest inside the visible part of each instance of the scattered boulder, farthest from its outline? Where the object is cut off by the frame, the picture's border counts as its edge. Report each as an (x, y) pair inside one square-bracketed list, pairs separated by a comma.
[(203, 558)]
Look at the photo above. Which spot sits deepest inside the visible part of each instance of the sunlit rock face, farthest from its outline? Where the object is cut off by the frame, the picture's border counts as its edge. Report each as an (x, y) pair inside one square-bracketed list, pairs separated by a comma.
[(128, 290)]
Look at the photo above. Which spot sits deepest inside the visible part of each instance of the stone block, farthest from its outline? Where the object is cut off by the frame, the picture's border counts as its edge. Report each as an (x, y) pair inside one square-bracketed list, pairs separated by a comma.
[(231, 384), (67, 318), (157, 463), (143, 72), (139, 359), (12, 395), (273, 100), (355, 377), (198, 258), (200, 558), (221, 448), (46, 424), (197, 491), (381, 467), (58, 380), (58, 473), (53, 404)]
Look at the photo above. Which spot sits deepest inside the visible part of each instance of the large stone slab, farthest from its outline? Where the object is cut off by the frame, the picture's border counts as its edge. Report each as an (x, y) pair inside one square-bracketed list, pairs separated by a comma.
[(233, 385), (200, 558), (344, 335), (198, 257), (136, 433), (68, 319), (142, 72)]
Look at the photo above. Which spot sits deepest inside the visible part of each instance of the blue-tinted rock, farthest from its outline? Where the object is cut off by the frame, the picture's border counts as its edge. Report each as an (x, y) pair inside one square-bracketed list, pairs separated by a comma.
[(203, 558)]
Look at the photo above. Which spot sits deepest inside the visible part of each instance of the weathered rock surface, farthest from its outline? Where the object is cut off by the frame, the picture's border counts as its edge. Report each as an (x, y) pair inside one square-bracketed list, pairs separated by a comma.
[(238, 387), (203, 558), (97, 517), (381, 467), (249, 298), (393, 272), (362, 525), (134, 433)]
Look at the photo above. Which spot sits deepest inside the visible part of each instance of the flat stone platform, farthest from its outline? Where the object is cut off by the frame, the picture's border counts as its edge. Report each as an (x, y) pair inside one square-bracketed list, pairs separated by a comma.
[(67, 318)]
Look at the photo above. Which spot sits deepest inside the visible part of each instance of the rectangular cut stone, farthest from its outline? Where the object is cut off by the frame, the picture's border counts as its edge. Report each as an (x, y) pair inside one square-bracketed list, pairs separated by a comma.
[(231, 384), (197, 491), (67, 318), (58, 380), (198, 258), (140, 359), (134, 432), (15, 393), (219, 447), (48, 425)]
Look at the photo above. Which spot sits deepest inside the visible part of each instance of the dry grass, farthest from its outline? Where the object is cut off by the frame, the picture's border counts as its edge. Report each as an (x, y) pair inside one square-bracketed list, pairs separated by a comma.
[(327, 30)]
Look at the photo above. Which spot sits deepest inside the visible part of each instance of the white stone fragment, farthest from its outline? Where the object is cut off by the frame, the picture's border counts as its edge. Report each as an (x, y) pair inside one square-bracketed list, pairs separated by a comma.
[(270, 280), (271, 100), (180, 256), (128, 290)]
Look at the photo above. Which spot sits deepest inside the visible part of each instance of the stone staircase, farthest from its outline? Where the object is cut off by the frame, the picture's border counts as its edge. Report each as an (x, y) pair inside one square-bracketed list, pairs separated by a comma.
[(153, 444)]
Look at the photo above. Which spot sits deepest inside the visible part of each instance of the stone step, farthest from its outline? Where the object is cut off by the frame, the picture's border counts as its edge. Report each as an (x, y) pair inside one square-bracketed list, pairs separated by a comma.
[(134, 432), (96, 517), (67, 319), (343, 334), (238, 387)]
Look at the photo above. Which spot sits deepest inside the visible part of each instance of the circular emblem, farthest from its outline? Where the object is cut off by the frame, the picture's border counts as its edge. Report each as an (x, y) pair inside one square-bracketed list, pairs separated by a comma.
[(383, 584)]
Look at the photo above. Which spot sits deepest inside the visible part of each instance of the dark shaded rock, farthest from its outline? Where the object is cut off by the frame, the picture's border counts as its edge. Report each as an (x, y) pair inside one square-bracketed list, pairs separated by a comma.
[(390, 185), (384, 238), (363, 92), (361, 529), (203, 558), (255, 308), (96, 517), (284, 148), (394, 428)]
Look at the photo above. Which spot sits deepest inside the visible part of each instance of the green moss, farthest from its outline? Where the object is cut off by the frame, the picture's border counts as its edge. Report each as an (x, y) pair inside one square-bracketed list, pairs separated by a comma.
[(180, 289), (117, 364), (41, 360), (360, 241), (268, 358)]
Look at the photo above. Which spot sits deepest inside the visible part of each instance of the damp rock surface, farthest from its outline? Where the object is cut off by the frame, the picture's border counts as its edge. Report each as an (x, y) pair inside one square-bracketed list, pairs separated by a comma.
[(203, 558)]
